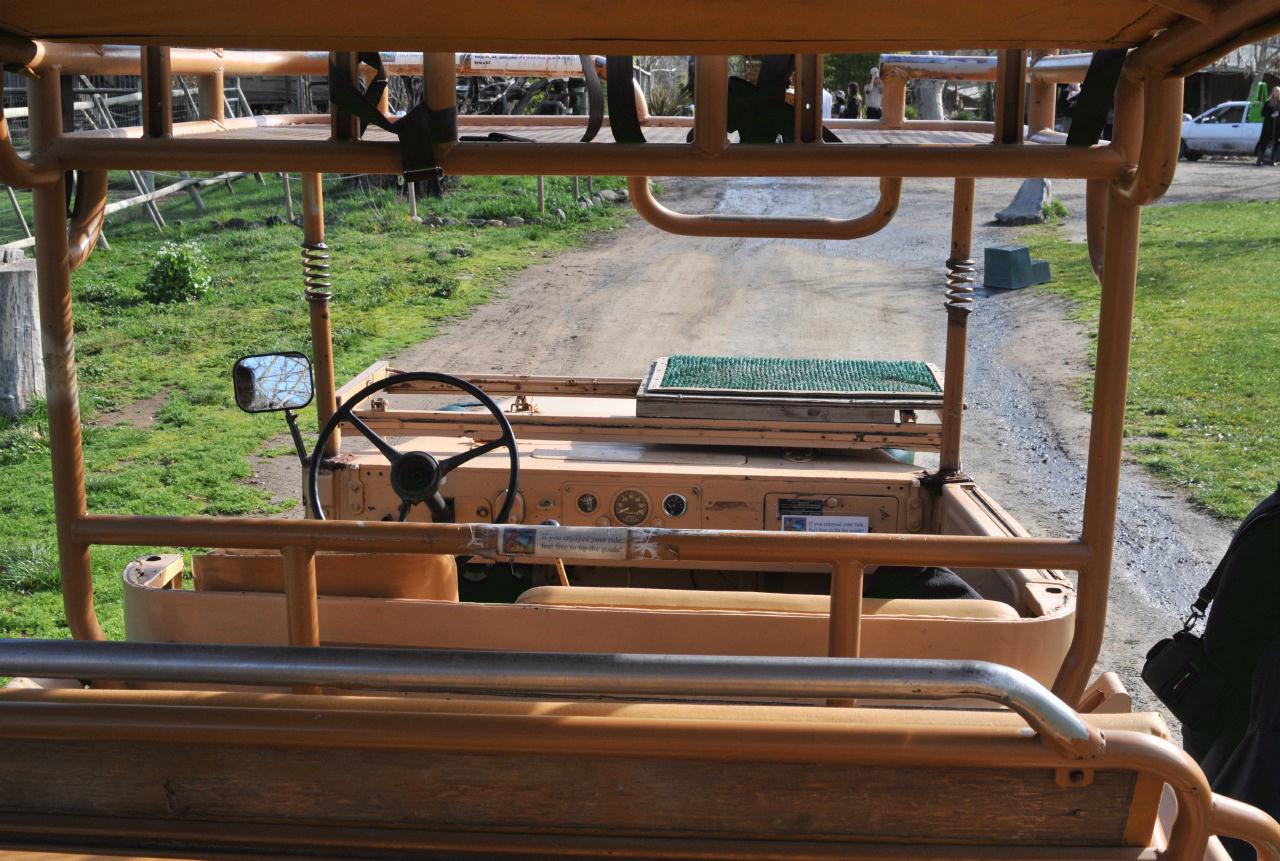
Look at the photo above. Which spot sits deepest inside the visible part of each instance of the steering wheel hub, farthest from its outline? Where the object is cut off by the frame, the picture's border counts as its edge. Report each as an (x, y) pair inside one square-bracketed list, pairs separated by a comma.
[(415, 476)]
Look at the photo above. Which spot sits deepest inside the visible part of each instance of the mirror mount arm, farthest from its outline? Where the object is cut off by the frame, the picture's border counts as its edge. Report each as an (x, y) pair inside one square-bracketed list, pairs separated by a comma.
[(292, 420)]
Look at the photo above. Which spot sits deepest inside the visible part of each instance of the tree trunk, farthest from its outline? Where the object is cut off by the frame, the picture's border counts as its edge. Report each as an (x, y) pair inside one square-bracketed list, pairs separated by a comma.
[(928, 92), (21, 363)]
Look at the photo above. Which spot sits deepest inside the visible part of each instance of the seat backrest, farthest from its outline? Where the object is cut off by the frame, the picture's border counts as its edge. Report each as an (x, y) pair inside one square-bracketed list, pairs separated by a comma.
[(358, 575), (759, 602), (479, 775)]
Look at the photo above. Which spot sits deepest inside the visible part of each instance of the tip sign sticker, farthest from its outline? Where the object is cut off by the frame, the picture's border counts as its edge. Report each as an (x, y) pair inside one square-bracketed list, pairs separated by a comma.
[(570, 541), (823, 523)]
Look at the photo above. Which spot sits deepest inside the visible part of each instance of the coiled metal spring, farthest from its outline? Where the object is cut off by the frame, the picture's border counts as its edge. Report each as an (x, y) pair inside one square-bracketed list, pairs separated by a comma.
[(315, 268), (961, 275)]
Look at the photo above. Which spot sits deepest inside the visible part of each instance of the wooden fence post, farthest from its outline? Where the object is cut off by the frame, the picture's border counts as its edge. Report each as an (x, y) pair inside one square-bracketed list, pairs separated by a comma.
[(21, 361)]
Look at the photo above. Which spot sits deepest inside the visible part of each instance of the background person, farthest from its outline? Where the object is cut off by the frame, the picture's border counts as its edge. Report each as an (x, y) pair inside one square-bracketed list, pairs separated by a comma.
[(853, 103), (875, 95), (1266, 147)]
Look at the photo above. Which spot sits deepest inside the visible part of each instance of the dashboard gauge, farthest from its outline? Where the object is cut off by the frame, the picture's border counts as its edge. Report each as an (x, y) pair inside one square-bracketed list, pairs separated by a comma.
[(674, 505), (588, 503), (631, 507)]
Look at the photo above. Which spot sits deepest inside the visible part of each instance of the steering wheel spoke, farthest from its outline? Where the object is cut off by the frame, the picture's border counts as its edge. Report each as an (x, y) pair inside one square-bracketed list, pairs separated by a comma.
[(416, 476), (387, 449), (439, 508), (405, 505), (449, 464)]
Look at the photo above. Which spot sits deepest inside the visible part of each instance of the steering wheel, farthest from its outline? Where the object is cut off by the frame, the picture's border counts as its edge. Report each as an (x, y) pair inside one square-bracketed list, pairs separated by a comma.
[(416, 476)]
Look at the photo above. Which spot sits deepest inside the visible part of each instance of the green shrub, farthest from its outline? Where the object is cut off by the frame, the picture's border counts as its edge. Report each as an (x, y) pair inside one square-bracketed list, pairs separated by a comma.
[(964, 114), (180, 273), (1055, 210), (911, 113), (665, 101)]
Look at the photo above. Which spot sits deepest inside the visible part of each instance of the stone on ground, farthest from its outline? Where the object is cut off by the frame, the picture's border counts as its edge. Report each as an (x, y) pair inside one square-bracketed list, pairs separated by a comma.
[(1028, 204)]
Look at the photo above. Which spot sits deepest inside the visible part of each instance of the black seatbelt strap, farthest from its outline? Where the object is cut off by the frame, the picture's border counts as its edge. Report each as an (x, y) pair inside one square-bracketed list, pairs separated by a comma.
[(497, 137), (624, 122), (1210, 590), (595, 97), (1097, 96), (417, 130)]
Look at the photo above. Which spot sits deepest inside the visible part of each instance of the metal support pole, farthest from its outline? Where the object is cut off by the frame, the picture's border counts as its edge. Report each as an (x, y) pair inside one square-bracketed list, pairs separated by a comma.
[(844, 628), (1106, 443), (411, 190), (213, 97), (809, 98), (288, 196), (960, 280), (109, 121), (542, 195), (192, 190), (711, 82), (344, 126), (843, 635), (157, 93), (577, 190), (315, 275), (1011, 95), (1041, 113), (22, 217), (301, 604), (61, 387)]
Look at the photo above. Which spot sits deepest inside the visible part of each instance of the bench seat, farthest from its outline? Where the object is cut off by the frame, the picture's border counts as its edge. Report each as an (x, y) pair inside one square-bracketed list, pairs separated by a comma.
[(757, 602)]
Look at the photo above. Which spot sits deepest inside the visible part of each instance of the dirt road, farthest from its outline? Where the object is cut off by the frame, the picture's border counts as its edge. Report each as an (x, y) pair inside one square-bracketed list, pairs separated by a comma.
[(636, 294)]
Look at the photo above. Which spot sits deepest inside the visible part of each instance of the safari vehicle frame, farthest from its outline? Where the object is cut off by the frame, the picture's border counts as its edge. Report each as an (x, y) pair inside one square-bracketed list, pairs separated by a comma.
[(204, 773)]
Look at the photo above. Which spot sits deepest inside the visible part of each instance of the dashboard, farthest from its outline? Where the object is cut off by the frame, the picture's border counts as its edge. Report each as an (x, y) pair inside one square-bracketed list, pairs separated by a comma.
[(594, 484)]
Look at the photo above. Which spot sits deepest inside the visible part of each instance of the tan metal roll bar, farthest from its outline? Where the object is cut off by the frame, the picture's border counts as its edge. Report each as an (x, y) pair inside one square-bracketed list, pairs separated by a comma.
[(762, 226), (16, 171), (1133, 169), (77, 58), (87, 217)]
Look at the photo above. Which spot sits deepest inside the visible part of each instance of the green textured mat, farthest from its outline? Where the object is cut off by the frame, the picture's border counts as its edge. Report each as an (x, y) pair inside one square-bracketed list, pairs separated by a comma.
[(759, 374)]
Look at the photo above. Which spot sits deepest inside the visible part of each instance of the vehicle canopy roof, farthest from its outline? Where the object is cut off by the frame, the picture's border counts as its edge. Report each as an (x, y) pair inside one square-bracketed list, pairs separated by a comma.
[(702, 26)]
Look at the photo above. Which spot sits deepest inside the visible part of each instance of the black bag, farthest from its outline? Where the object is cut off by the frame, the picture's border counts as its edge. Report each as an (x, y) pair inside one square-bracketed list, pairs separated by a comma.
[(1179, 673), (1193, 682)]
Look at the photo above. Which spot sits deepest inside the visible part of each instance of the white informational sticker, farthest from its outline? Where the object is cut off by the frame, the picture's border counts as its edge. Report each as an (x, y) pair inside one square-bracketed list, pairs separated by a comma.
[(568, 541), (525, 64), (823, 523)]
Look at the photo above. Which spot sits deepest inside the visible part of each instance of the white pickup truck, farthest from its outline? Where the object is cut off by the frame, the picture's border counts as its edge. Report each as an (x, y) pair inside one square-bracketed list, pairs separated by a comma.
[(1221, 130)]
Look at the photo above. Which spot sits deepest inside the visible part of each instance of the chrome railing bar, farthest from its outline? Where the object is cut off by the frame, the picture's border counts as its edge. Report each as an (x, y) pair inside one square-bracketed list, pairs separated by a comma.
[(458, 671)]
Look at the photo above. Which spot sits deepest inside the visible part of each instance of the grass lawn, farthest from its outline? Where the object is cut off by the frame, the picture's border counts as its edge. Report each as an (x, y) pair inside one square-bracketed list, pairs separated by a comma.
[(1204, 408), (188, 451)]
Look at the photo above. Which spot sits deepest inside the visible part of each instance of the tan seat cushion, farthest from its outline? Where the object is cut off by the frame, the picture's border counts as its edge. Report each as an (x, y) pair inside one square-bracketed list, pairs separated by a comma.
[(426, 576), (757, 602)]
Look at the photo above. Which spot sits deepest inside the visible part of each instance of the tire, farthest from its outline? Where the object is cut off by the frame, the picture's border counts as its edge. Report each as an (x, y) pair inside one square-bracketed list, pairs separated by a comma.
[(1188, 154)]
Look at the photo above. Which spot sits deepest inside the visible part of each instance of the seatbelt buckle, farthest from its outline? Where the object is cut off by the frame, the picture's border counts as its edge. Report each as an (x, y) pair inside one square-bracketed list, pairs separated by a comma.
[(417, 155)]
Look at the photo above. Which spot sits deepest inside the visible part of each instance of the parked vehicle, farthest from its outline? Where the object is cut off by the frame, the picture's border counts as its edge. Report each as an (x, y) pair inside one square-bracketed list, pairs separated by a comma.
[(1221, 130), (672, 656)]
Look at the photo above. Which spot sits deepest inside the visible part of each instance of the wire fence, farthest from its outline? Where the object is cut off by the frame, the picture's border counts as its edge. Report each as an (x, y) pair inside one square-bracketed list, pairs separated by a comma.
[(115, 101), (107, 102)]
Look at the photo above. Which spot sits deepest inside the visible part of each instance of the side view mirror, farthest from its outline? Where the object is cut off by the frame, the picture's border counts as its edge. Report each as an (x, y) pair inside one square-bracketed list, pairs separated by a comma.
[(272, 382)]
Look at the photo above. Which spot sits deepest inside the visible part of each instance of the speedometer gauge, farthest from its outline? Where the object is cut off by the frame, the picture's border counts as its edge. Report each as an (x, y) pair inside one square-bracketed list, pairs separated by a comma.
[(631, 507)]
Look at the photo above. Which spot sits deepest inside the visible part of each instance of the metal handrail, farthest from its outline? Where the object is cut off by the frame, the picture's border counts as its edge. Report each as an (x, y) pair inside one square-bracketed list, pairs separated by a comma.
[(762, 226), (459, 671)]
